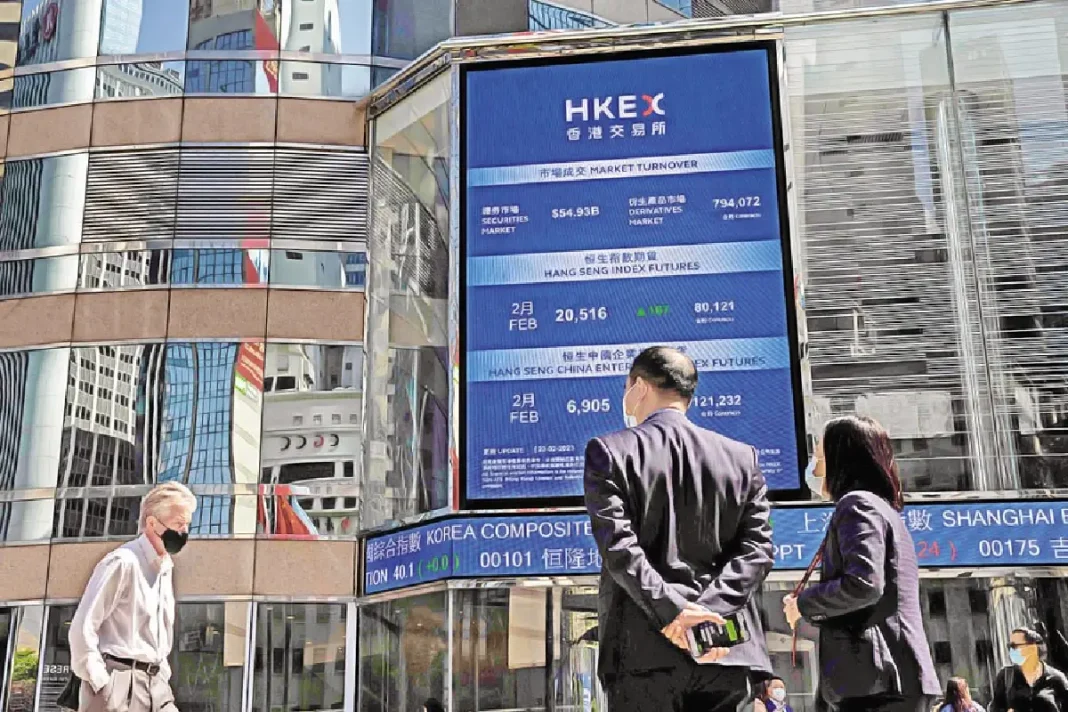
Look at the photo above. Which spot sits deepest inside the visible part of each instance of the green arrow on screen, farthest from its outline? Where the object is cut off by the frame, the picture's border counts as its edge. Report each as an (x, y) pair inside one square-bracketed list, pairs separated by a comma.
[(641, 311)]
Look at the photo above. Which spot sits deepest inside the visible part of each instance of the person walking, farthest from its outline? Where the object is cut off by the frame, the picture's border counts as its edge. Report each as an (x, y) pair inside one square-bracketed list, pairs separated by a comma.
[(874, 655), (681, 518), (958, 697), (122, 632), (1029, 684)]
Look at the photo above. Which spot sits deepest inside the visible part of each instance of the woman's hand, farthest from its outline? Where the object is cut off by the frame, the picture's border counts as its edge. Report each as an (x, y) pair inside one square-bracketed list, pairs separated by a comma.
[(789, 607)]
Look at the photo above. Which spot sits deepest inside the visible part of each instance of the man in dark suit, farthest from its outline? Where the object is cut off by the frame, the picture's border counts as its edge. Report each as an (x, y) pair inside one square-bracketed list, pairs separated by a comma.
[(681, 518)]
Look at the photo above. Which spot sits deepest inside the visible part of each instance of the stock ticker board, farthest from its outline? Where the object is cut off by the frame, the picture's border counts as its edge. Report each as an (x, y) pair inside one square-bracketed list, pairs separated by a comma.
[(1005, 534), (609, 207)]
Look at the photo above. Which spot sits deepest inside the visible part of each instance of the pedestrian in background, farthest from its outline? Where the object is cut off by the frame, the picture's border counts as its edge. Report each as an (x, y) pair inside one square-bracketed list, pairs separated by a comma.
[(122, 632), (772, 697), (958, 697), (1029, 684), (873, 653)]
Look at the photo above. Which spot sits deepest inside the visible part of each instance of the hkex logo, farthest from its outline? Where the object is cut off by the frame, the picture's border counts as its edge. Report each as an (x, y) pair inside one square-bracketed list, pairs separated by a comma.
[(613, 107)]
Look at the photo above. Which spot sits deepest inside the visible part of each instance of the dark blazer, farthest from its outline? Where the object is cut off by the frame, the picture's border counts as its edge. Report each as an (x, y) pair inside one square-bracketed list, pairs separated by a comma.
[(867, 606), (680, 514)]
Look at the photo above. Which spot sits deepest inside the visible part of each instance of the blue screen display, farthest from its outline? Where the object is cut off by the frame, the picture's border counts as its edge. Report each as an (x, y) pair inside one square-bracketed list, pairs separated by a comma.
[(608, 207), (945, 535)]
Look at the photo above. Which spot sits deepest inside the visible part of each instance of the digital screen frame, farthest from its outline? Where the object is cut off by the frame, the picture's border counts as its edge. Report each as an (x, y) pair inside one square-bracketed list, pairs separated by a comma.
[(794, 489)]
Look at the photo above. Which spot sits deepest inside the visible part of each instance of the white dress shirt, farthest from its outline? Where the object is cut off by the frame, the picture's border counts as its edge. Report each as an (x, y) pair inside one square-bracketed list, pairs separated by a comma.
[(127, 611)]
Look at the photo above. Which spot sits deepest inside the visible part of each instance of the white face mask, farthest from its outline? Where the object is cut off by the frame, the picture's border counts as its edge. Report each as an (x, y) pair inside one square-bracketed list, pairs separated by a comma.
[(778, 694), (629, 420), (815, 483)]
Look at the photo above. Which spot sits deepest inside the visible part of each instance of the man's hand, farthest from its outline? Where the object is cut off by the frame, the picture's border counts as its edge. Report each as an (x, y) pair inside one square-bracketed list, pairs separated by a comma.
[(790, 609), (692, 615)]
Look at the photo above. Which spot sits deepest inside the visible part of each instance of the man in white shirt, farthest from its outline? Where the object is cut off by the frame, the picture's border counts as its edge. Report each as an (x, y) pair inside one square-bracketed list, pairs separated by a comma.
[(122, 632)]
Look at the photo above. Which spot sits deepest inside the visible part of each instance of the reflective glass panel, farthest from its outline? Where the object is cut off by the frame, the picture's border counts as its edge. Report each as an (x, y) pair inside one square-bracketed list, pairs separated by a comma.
[(576, 681), (144, 26), (407, 28), (38, 276), (111, 417), (43, 202), (407, 466), (26, 520), (55, 667), (341, 27), (33, 390), (322, 270), (381, 74), (25, 650), (416, 477), (97, 517), (123, 270), (312, 439), (208, 657), (228, 27), (1012, 117), (326, 80), (403, 646), (218, 268), (300, 657), (551, 16), (53, 30), (10, 31), (147, 79), (892, 330), (49, 88), (210, 423), (499, 648)]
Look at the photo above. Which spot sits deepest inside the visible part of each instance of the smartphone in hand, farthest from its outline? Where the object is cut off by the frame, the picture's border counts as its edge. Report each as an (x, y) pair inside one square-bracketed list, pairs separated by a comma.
[(706, 636)]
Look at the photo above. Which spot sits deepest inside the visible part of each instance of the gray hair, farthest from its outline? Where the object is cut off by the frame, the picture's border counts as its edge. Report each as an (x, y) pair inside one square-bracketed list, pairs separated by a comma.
[(165, 498)]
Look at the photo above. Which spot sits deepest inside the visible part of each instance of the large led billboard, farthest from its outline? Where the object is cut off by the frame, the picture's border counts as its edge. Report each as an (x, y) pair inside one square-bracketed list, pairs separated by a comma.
[(610, 205)]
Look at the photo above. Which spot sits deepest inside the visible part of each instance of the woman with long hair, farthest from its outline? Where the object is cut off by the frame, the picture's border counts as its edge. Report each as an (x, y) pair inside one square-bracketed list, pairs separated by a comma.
[(958, 697), (1029, 684), (873, 652)]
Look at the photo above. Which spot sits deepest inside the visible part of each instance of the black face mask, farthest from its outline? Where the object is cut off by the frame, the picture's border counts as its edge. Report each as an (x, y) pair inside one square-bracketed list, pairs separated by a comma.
[(174, 541)]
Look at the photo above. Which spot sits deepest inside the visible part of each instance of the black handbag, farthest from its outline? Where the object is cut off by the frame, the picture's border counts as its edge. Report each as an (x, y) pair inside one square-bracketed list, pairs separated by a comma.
[(70, 698)]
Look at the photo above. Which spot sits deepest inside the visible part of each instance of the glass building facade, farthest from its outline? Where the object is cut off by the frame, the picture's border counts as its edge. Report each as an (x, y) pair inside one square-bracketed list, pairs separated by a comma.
[(227, 260)]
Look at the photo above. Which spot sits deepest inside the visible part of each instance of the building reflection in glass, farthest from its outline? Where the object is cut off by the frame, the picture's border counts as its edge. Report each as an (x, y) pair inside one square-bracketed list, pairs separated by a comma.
[(300, 657), (109, 271), (312, 437), (208, 656), (403, 650), (147, 79), (323, 270), (233, 26), (105, 433), (43, 201), (544, 15), (38, 276), (210, 425), (134, 415), (217, 268)]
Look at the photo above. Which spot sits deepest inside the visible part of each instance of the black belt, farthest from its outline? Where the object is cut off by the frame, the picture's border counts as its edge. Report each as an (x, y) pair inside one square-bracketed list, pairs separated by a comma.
[(150, 668)]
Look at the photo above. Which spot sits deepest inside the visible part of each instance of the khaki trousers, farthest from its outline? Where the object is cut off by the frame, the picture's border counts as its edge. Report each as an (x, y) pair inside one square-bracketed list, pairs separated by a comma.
[(128, 690)]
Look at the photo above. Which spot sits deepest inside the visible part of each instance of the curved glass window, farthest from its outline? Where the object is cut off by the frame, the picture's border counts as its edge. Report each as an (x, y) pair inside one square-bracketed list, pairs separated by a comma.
[(43, 202), (341, 27), (44, 275), (136, 81)]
